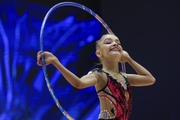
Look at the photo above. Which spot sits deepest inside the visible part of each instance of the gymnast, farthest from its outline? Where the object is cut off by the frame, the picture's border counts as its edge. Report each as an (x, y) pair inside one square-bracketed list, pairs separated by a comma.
[(112, 86)]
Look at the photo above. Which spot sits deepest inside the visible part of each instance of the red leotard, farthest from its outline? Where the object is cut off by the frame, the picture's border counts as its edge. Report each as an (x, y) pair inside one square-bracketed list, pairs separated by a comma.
[(120, 98)]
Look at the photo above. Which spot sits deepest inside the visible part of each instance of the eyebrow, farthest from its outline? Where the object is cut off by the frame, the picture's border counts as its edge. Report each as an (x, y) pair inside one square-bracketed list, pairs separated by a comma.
[(112, 39)]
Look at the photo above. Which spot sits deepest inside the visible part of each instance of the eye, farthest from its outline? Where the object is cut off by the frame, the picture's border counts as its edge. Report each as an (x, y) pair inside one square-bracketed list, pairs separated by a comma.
[(119, 43), (107, 42)]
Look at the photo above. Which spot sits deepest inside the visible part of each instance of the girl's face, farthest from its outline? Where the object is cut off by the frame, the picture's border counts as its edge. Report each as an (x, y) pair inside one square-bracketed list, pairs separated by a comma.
[(109, 46)]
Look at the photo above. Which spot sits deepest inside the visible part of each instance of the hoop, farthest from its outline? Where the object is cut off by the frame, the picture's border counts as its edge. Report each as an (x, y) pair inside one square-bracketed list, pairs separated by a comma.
[(41, 45)]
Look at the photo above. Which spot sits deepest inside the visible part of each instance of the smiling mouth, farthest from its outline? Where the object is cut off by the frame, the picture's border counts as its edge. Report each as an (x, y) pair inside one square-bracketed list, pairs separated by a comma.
[(115, 49)]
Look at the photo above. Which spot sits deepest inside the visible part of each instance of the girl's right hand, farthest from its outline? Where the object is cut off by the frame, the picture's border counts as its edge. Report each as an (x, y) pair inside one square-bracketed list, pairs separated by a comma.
[(48, 57)]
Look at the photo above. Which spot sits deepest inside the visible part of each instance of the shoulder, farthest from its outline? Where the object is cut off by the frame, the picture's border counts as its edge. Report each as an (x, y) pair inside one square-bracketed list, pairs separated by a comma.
[(100, 75), (124, 74), (95, 71)]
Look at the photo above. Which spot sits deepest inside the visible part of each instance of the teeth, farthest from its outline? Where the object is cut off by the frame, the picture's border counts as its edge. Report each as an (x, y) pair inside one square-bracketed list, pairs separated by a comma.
[(116, 49)]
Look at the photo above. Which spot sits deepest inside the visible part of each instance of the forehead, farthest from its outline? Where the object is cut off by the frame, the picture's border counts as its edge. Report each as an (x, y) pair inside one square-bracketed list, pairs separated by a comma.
[(113, 37)]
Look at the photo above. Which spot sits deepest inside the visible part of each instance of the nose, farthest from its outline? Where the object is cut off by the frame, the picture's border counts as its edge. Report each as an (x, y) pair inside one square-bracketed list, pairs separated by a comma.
[(115, 44)]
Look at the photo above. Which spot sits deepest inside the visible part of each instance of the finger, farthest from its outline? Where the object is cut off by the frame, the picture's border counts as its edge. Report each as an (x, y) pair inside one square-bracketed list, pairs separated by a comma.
[(38, 57), (39, 64), (39, 60), (39, 52)]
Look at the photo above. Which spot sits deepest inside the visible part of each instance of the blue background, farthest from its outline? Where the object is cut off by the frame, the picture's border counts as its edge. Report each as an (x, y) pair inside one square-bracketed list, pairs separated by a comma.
[(148, 30)]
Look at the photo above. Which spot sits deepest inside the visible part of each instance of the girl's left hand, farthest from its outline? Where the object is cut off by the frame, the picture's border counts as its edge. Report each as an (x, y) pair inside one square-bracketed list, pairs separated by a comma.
[(125, 57)]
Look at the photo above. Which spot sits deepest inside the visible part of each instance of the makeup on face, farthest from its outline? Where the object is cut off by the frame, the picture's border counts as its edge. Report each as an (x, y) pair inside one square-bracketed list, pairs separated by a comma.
[(110, 39)]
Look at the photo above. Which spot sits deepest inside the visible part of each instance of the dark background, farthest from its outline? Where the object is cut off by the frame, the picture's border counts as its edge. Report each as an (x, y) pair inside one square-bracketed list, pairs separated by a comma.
[(149, 32)]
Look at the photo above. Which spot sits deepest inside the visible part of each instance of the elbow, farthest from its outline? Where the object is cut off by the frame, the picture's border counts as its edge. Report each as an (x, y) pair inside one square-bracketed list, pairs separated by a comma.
[(78, 86), (152, 80)]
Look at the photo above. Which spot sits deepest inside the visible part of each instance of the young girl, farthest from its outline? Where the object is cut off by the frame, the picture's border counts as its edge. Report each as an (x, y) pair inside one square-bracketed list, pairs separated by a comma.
[(112, 86)]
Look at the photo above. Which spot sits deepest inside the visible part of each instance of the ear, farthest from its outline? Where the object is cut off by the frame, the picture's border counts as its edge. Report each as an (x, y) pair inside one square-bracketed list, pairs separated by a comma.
[(98, 53)]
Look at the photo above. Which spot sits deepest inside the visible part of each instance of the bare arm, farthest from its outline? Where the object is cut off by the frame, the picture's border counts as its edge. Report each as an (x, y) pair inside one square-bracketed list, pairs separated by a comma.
[(143, 76), (83, 82)]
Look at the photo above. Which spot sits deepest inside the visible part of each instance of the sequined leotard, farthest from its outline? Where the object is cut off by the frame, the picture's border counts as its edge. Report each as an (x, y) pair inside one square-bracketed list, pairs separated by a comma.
[(118, 96)]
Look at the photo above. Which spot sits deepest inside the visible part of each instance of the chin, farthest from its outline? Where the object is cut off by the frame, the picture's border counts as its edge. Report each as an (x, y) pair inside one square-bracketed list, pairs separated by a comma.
[(115, 53)]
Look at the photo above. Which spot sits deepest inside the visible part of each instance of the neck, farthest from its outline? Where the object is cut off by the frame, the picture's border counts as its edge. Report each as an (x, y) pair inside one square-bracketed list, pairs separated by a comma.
[(110, 67)]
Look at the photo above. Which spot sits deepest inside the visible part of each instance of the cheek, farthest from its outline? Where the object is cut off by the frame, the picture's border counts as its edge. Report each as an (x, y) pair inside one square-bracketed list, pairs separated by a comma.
[(105, 51), (121, 49)]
